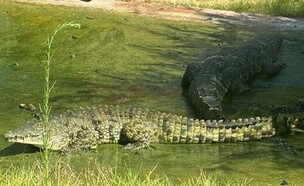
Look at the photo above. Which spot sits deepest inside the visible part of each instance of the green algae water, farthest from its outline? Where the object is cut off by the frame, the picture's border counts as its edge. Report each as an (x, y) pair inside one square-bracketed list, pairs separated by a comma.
[(139, 61)]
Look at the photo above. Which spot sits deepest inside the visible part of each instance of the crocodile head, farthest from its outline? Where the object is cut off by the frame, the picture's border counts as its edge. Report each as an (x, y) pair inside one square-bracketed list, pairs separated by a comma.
[(32, 133), (212, 107)]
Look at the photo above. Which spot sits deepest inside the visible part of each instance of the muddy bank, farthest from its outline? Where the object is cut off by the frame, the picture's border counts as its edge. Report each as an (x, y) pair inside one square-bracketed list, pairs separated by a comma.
[(249, 20)]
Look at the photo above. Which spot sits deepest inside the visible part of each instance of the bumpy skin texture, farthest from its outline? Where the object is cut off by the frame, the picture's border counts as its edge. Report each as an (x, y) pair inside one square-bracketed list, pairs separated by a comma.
[(208, 82), (85, 128)]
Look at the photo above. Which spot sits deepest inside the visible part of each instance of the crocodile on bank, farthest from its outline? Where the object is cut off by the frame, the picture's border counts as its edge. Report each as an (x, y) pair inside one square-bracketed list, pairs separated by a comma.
[(228, 71), (85, 128)]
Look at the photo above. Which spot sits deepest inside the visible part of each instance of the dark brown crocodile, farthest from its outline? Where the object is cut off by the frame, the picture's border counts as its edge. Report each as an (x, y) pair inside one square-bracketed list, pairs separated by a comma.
[(228, 71)]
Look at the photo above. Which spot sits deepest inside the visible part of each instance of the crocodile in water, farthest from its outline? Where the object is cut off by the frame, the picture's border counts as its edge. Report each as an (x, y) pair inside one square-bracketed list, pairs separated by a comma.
[(85, 128), (228, 71)]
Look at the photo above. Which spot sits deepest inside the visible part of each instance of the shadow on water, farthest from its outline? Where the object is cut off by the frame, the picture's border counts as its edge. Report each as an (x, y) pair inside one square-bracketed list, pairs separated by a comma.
[(17, 149), (191, 44)]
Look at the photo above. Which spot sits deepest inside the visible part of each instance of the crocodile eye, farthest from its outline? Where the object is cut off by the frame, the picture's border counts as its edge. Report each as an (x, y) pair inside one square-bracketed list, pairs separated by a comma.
[(96, 121)]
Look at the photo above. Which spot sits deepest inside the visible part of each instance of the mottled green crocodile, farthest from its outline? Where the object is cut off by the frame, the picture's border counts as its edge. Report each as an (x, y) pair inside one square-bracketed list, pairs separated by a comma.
[(228, 71), (85, 128)]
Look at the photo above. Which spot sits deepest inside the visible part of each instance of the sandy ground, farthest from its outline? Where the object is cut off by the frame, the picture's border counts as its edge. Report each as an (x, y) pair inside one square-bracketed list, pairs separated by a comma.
[(210, 15)]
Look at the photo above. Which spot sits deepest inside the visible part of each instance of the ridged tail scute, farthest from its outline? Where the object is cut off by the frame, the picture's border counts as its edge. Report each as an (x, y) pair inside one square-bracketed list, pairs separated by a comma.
[(168, 128), (176, 129)]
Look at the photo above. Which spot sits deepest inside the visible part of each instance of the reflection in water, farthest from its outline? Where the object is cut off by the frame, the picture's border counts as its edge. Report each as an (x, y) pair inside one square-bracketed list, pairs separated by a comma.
[(265, 161)]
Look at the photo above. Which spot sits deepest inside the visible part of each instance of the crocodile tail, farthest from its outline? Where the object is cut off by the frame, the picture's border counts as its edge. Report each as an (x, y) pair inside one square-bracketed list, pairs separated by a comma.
[(177, 129)]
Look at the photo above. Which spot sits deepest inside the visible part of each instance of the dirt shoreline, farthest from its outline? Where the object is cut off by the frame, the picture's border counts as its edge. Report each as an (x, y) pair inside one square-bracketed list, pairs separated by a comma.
[(180, 13)]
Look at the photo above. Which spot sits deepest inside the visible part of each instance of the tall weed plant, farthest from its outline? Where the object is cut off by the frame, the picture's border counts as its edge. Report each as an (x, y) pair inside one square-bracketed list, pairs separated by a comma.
[(46, 108)]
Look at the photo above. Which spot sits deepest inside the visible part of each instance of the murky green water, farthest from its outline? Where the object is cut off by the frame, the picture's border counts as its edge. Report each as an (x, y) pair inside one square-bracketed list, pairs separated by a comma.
[(139, 61)]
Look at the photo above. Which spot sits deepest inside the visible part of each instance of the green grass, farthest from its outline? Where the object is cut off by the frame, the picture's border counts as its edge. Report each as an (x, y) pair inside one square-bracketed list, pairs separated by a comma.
[(63, 174), (292, 8)]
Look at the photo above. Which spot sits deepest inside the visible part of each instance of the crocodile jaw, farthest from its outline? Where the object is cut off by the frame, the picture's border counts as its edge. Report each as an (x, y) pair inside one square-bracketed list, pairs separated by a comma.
[(211, 107), (35, 140), (55, 143), (32, 134)]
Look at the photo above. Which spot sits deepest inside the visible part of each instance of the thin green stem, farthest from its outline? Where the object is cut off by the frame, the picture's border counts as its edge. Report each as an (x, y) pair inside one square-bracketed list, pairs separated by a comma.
[(46, 109)]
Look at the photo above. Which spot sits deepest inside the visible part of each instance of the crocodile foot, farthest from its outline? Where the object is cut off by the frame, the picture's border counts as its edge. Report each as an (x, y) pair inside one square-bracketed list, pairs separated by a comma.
[(136, 136), (34, 111), (136, 146)]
